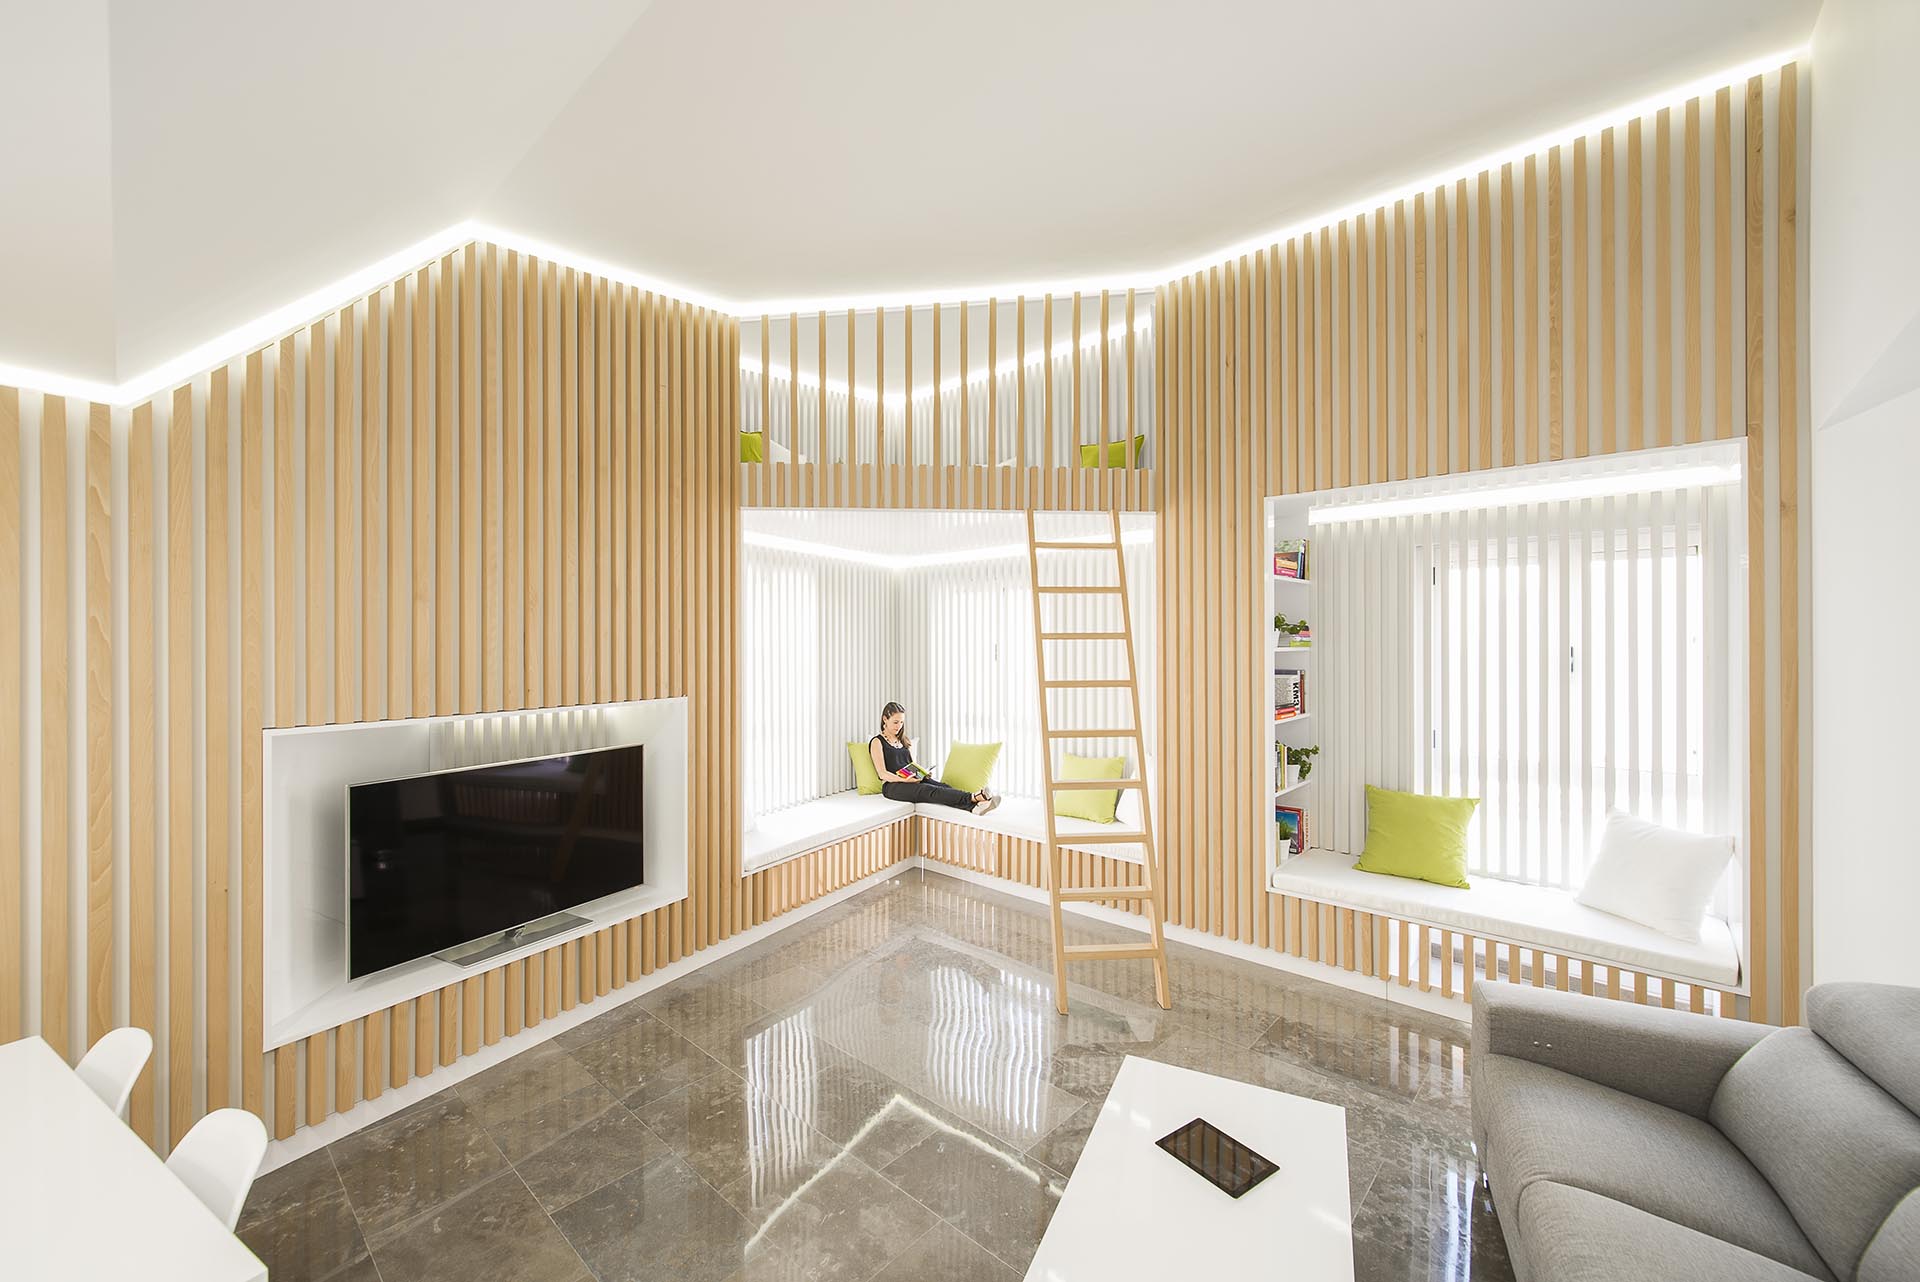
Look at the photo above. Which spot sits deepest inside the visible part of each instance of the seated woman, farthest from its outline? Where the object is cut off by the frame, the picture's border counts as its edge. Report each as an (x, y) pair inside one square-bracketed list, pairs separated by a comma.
[(902, 780)]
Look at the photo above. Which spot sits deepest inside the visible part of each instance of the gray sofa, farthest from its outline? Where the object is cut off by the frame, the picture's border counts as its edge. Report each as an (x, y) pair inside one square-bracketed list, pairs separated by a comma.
[(1633, 1142)]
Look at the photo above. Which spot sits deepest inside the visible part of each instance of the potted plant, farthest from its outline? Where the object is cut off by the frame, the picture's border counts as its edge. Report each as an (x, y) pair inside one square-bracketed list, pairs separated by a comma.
[(1300, 763), (1291, 632)]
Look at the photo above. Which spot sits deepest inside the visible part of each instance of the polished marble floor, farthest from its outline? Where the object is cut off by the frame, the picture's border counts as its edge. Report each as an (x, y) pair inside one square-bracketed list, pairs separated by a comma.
[(880, 1092)]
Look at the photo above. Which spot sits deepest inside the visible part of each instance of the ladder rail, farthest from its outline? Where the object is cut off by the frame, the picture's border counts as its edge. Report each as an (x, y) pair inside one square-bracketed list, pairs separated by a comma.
[(1046, 777), (1150, 890)]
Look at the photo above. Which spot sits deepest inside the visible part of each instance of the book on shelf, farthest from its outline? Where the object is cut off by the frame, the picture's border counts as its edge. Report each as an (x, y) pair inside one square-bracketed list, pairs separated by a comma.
[(1290, 559), (1291, 821), (1289, 693)]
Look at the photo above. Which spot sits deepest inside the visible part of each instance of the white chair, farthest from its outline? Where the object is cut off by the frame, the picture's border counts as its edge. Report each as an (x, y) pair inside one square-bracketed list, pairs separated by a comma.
[(113, 1064), (218, 1159)]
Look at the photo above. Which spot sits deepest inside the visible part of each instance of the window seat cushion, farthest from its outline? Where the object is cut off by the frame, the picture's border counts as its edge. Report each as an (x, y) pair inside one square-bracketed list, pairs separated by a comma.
[(1512, 913), (1026, 817), (794, 830)]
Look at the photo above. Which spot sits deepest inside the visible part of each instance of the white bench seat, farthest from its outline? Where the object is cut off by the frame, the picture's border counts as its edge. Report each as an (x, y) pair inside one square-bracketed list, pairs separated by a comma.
[(1026, 818), (786, 833), (1511, 913), (782, 834)]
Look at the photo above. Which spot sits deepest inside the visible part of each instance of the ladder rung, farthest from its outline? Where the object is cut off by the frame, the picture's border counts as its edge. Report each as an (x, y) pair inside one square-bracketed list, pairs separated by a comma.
[(1109, 952), (1093, 734), (1084, 685), (1083, 636), (1053, 545), (1060, 591), (1134, 837), (1091, 785), (1084, 893)]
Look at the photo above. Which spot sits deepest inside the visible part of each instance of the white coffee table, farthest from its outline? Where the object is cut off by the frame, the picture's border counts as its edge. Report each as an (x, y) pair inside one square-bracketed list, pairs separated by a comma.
[(1133, 1211)]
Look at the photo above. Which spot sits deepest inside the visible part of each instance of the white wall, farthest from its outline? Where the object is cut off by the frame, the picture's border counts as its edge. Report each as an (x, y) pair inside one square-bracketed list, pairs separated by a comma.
[(1865, 294), (1865, 289), (1866, 696)]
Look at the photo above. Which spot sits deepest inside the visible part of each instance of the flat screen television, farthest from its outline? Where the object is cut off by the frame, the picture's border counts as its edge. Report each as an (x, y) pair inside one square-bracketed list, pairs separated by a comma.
[(441, 859)]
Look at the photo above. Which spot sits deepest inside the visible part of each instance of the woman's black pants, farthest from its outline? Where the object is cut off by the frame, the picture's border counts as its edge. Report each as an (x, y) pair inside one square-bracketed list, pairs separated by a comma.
[(931, 790)]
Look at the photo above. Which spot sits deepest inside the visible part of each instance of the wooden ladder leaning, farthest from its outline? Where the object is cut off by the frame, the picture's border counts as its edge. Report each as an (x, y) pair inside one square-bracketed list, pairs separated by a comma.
[(1149, 890)]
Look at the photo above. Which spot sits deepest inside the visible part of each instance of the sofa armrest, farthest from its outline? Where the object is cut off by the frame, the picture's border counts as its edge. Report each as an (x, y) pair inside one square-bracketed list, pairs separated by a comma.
[(1669, 1057)]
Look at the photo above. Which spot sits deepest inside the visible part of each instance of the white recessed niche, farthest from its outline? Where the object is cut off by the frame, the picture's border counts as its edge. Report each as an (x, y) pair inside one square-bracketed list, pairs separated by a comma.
[(305, 773)]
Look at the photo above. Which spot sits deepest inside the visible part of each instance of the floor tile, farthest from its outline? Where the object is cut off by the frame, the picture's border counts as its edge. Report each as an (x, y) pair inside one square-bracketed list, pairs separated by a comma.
[(846, 1221), (414, 1161), (298, 1220), (1000, 1199), (1060, 1147), (945, 1254), (494, 1231), (725, 1132), (644, 1060), (590, 1157), (661, 1221)]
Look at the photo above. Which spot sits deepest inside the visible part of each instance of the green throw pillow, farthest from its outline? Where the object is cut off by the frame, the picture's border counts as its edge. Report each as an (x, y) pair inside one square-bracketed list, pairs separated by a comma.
[(1116, 453), (1425, 838), (865, 777), (753, 447), (968, 765), (1098, 806)]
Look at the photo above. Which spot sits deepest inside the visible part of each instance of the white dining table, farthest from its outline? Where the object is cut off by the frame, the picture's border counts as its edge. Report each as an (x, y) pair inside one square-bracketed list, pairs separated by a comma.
[(82, 1198)]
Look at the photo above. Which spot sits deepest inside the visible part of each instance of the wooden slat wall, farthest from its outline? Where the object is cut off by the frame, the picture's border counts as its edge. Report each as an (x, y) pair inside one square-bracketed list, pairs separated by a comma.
[(1597, 275), (369, 512)]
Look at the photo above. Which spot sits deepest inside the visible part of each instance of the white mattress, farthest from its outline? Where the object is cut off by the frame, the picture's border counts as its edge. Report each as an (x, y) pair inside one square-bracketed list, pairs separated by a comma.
[(1531, 916), (782, 834)]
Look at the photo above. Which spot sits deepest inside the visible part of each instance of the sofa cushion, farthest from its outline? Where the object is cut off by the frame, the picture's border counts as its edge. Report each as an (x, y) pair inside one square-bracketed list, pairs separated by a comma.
[(1573, 1235), (1543, 1124), (1840, 1151), (1877, 1026), (1894, 1253)]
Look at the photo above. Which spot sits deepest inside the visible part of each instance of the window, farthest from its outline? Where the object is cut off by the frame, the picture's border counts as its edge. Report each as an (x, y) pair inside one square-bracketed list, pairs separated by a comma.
[(1554, 652)]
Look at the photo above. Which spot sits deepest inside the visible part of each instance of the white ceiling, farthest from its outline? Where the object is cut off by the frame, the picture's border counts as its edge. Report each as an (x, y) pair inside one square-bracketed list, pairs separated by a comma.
[(168, 172)]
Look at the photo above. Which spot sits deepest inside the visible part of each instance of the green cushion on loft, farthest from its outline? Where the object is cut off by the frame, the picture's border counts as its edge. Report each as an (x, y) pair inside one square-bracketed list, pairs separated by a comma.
[(969, 765), (1098, 806), (753, 447), (1116, 453), (1419, 837), (865, 777)]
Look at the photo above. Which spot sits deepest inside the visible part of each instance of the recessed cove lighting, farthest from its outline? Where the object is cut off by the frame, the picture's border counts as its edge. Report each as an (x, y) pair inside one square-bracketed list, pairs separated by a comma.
[(1683, 468)]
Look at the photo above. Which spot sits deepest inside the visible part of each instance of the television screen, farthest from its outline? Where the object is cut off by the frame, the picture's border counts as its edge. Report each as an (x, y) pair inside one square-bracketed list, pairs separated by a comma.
[(438, 859)]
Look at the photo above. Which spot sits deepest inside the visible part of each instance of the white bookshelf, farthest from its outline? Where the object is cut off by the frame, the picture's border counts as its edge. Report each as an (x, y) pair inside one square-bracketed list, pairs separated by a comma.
[(1287, 519)]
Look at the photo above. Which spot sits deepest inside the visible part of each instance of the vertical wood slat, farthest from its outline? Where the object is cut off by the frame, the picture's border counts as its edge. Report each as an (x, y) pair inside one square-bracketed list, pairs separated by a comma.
[(180, 523), (1787, 517), (13, 610), (55, 685), (100, 781), (218, 855), (142, 750), (252, 724)]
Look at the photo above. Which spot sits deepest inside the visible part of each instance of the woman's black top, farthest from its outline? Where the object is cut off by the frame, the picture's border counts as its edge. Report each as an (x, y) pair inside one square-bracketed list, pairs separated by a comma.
[(895, 757)]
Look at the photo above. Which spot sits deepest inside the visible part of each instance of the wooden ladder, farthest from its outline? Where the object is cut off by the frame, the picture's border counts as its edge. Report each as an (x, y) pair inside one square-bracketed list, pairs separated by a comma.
[(1149, 889)]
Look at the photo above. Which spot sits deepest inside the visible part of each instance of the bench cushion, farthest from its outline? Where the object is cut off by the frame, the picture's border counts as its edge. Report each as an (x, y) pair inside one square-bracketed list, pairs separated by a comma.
[(782, 834), (1531, 916)]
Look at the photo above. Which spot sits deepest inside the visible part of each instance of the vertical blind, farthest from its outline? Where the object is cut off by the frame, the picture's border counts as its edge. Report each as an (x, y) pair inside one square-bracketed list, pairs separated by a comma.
[(1554, 653)]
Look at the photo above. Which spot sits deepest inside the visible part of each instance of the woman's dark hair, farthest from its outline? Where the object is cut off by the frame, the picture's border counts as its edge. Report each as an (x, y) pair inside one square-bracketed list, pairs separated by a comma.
[(888, 711)]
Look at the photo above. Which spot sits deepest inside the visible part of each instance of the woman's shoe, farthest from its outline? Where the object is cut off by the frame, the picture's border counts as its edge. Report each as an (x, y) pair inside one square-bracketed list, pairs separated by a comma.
[(985, 805)]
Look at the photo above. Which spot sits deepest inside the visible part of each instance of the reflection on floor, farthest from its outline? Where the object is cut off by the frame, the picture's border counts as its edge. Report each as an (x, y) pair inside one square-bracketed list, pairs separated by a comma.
[(881, 1092)]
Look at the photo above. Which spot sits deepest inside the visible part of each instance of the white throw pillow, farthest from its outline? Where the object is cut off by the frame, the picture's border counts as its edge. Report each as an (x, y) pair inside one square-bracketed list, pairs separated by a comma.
[(1660, 877)]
